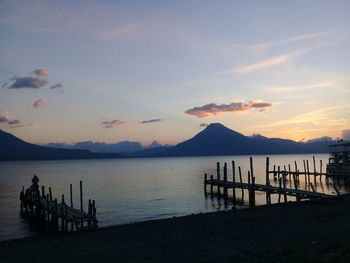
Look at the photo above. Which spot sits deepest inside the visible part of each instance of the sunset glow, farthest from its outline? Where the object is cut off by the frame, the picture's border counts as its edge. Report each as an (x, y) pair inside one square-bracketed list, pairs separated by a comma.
[(111, 71)]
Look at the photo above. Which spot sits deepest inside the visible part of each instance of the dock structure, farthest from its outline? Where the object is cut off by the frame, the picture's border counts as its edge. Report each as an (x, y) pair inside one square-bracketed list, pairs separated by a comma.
[(280, 177), (57, 216)]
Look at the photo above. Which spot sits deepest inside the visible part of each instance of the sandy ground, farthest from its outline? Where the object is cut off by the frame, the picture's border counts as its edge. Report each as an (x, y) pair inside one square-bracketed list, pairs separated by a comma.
[(292, 232)]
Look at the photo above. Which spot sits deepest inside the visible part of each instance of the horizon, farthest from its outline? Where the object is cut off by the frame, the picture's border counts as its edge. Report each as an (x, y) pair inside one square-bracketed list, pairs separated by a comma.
[(143, 72), (130, 148)]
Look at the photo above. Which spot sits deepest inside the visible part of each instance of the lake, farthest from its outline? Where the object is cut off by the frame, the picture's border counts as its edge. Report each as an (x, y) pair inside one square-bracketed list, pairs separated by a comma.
[(130, 190)]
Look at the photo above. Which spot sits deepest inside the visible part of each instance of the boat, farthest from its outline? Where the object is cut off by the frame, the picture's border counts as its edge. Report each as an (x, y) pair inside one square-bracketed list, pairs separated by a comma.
[(339, 159)]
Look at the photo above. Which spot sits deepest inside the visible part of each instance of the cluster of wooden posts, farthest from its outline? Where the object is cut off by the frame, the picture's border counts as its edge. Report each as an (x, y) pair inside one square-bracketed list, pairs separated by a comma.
[(56, 216), (279, 186)]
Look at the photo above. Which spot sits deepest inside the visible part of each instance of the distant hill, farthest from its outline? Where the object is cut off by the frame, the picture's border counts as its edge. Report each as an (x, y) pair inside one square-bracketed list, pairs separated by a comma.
[(216, 139), (101, 147), (13, 148)]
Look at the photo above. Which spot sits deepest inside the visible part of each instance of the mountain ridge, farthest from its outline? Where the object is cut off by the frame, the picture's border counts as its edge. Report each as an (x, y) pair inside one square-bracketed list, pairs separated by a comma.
[(215, 139), (13, 148)]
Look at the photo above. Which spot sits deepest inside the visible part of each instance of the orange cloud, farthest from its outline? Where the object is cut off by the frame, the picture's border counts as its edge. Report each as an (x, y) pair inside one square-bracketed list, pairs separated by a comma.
[(41, 72), (39, 103), (214, 109)]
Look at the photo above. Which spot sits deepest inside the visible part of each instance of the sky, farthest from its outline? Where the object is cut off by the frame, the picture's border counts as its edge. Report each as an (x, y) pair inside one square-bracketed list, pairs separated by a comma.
[(110, 71)]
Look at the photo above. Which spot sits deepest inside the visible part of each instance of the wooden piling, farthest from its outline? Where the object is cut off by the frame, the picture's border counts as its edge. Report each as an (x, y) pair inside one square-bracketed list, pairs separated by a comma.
[(251, 167), (50, 194), (253, 190), (296, 169), (71, 195), (267, 175), (234, 180), (218, 171), (240, 174), (218, 175), (320, 170), (81, 195), (249, 189), (225, 180), (308, 171), (280, 188), (289, 173), (284, 174), (211, 185)]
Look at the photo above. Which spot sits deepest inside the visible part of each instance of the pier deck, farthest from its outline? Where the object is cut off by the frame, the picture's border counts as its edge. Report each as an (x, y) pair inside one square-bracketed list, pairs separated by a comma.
[(57, 216)]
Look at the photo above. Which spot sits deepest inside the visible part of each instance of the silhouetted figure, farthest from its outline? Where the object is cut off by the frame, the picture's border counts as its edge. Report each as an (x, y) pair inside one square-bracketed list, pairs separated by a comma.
[(35, 185)]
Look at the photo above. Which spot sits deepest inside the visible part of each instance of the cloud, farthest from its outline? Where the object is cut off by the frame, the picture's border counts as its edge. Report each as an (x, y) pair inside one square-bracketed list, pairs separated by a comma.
[(27, 82), (297, 88), (112, 124), (56, 86), (214, 109), (270, 44), (30, 82), (4, 117), (151, 121), (314, 117), (346, 134), (13, 123), (39, 103), (41, 72), (277, 60), (203, 125)]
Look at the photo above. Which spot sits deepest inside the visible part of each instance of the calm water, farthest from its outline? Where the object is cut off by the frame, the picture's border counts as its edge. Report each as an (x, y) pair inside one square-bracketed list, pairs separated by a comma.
[(128, 190)]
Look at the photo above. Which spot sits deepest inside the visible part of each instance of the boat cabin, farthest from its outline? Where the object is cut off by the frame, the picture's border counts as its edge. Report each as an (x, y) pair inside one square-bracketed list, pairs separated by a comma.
[(339, 159)]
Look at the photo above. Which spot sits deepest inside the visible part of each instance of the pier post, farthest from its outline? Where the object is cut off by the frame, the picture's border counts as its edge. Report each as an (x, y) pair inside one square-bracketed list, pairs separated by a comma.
[(218, 171), (308, 171), (50, 194), (81, 195), (289, 175), (304, 163), (211, 184), (279, 189), (253, 190), (225, 180), (89, 211), (234, 181), (249, 190), (240, 176), (320, 170), (267, 177), (218, 176), (284, 174), (251, 167), (71, 195)]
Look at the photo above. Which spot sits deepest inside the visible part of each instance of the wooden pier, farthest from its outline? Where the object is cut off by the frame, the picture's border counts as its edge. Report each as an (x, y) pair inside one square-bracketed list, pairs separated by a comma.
[(57, 216), (279, 187)]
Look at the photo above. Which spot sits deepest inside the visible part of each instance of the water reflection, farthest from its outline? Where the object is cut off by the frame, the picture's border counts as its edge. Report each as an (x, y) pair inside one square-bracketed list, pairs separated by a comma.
[(129, 190)]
